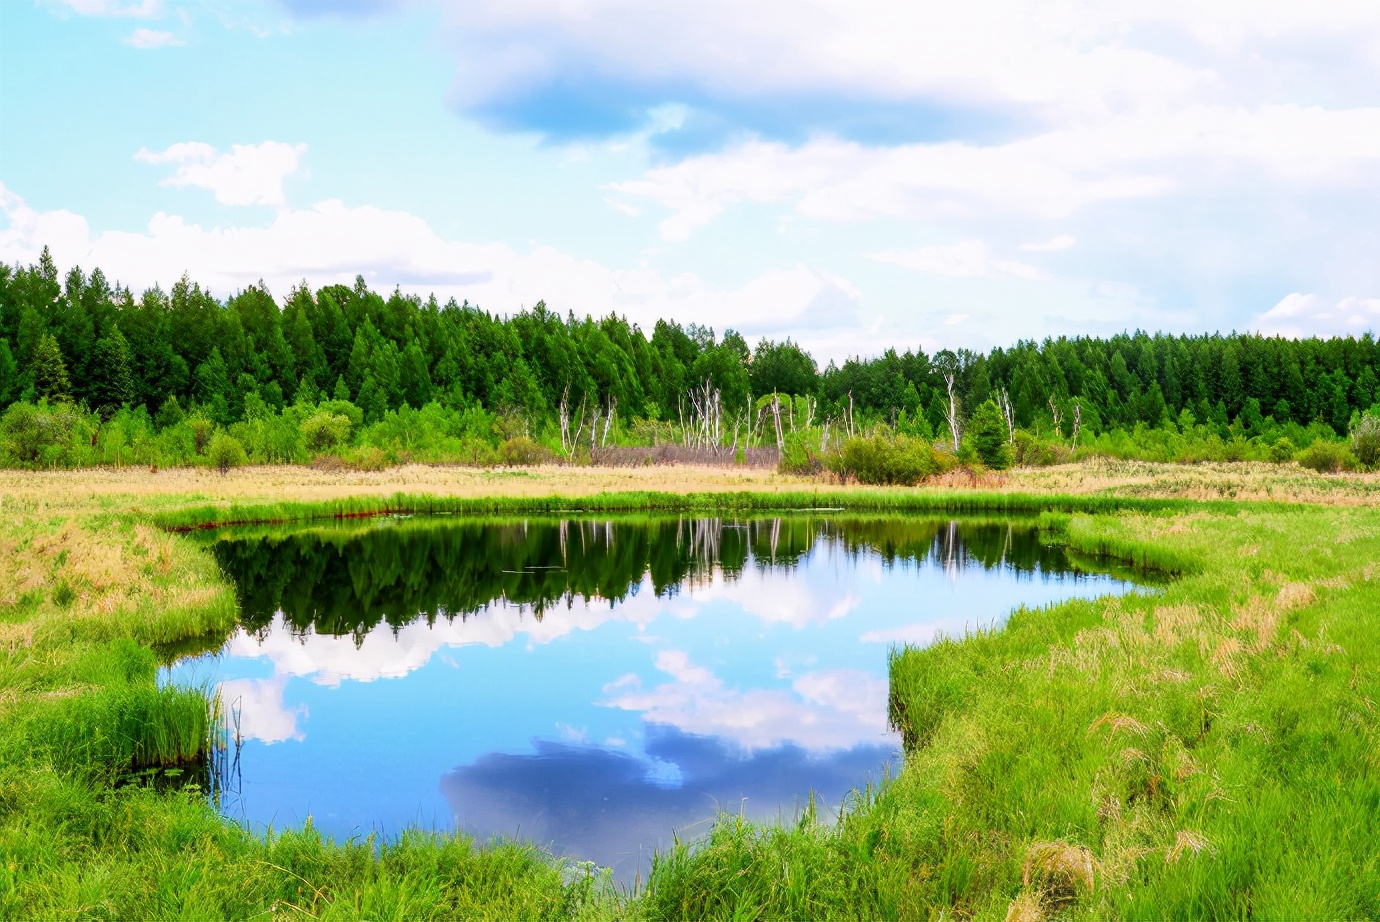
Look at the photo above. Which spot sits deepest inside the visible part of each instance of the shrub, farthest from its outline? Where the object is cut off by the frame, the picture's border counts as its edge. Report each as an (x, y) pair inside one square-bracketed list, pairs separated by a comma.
[(1282, 451), (797, 458), (323, 432), (1028, 451), (1365, 441), (370, 458), (520, 451), (225, 452), (883, 461), (1327, 457)]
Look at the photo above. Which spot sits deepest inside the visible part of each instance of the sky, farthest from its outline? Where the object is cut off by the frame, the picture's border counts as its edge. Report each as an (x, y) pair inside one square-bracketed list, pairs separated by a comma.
[(854, 175)]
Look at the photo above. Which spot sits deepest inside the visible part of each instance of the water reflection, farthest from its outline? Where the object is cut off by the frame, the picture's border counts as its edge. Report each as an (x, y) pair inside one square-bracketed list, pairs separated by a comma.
[(616, 809), (592, 685)]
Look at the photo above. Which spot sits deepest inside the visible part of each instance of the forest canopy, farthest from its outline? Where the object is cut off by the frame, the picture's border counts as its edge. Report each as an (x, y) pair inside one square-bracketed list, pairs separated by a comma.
[(342, 366)]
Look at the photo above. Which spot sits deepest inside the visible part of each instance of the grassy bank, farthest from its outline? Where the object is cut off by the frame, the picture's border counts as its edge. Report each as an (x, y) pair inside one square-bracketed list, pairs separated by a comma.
[(1208, 751)]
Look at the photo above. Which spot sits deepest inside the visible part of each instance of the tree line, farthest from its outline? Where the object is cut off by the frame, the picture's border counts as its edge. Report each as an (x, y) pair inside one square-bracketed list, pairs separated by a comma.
[(343, 360)]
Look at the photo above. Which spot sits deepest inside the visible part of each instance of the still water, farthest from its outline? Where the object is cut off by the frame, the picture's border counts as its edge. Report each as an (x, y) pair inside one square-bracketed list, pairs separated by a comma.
[(595, 686)]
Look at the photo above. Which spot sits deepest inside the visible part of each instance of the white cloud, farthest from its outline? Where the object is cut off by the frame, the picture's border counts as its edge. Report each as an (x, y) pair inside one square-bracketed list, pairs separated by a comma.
[(133, 9), (152, 38), (250, 174), (1054, 245), (821, 711), (1059, 62), (331, 242), (1050, 175), (1301, 315), (258, 711), (970, 259)]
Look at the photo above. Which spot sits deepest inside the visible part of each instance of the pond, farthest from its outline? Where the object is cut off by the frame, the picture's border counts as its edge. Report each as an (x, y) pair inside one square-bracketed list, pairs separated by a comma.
[(593, 685)]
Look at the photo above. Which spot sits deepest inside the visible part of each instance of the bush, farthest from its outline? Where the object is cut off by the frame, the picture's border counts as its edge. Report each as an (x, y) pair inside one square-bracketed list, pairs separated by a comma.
[(520, 451), (323, 432), (883, 461), (225, 452), (1282, 452), (1327, 457), (797, 458), (1365, 441), (1028, 451), (370, 458)]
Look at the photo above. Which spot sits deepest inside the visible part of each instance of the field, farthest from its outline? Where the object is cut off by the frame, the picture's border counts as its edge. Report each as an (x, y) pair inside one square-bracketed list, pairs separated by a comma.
[(1208, 751)]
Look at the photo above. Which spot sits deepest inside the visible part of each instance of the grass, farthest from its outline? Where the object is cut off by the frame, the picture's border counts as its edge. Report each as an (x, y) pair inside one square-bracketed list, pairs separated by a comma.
[(1207, 751)]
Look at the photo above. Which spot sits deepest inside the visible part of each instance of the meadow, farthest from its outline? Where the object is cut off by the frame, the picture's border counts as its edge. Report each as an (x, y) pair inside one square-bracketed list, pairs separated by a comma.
[(1205, 751)]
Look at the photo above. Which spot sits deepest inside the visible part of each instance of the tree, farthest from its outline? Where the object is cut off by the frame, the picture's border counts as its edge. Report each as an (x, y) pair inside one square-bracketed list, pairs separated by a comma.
[(9, 374), (987, 434), (112, 375), (225, 452), (49, 370)]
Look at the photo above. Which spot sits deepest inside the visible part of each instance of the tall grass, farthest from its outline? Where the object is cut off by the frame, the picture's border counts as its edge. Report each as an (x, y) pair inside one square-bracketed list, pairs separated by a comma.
[(1205, 751), (954, 502)]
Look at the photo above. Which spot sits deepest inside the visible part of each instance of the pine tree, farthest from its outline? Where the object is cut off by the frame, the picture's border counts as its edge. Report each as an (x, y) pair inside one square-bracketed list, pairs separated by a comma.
[(112, 374), (9, 374), (49, 370)]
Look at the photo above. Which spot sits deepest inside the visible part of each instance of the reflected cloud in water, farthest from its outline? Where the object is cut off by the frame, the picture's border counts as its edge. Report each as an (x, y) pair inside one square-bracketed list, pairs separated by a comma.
[(616, 808)]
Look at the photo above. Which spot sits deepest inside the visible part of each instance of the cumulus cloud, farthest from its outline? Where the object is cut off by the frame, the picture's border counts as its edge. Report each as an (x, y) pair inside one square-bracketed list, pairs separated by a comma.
[(1300, 315), (151, 38), (970, 259), (1049, 175), (331, 242), (262, 713), (821, 711), (250, 174)]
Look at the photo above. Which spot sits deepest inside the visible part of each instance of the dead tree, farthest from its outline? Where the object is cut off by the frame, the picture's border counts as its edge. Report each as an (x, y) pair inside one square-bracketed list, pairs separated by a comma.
[(1004, 402), (1077, 420), (1058, 415)]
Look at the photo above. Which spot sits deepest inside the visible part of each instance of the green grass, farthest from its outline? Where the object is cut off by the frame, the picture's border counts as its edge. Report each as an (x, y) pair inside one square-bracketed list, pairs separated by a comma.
[(1205, 751)]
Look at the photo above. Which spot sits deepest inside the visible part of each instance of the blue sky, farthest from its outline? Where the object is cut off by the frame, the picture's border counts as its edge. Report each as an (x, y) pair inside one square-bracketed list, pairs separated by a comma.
[(855, 175)]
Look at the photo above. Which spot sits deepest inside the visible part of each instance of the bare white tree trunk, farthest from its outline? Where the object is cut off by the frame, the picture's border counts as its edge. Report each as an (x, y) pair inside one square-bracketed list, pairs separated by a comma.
[(1077, 420), (776, 413), (1058, 415), (955, 427), (1004, 399)]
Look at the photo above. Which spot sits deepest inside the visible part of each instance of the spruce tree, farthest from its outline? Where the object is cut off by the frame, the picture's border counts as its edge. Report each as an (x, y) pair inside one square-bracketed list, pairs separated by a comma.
[(49, 370), (112, 374)]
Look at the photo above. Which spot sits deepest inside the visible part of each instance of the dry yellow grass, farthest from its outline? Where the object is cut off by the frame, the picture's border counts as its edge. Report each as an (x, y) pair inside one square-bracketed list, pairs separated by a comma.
[(124, 488)]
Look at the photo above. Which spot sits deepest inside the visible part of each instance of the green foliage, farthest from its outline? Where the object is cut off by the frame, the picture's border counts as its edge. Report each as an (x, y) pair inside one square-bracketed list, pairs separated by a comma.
[(880, 460), (1159, 398), (521, 451), (50, 371), (1365, 441), (225, 452), (1327, 457), (1282, 451), (1029, 450), (988, 435), (324, 431)]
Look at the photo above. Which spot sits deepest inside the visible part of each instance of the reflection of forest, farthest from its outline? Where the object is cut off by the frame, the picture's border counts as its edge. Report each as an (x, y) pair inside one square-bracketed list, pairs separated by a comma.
[(347, 581)]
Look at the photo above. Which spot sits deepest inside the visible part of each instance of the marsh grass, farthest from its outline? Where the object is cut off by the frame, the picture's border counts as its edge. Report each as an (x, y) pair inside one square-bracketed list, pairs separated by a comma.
[(1207, 750)]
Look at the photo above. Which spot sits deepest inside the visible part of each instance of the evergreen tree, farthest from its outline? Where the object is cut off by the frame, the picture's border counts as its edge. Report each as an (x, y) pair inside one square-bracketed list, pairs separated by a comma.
[(9, 374), (112, 375), (49, 370), (169, 414), (987, 434)]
